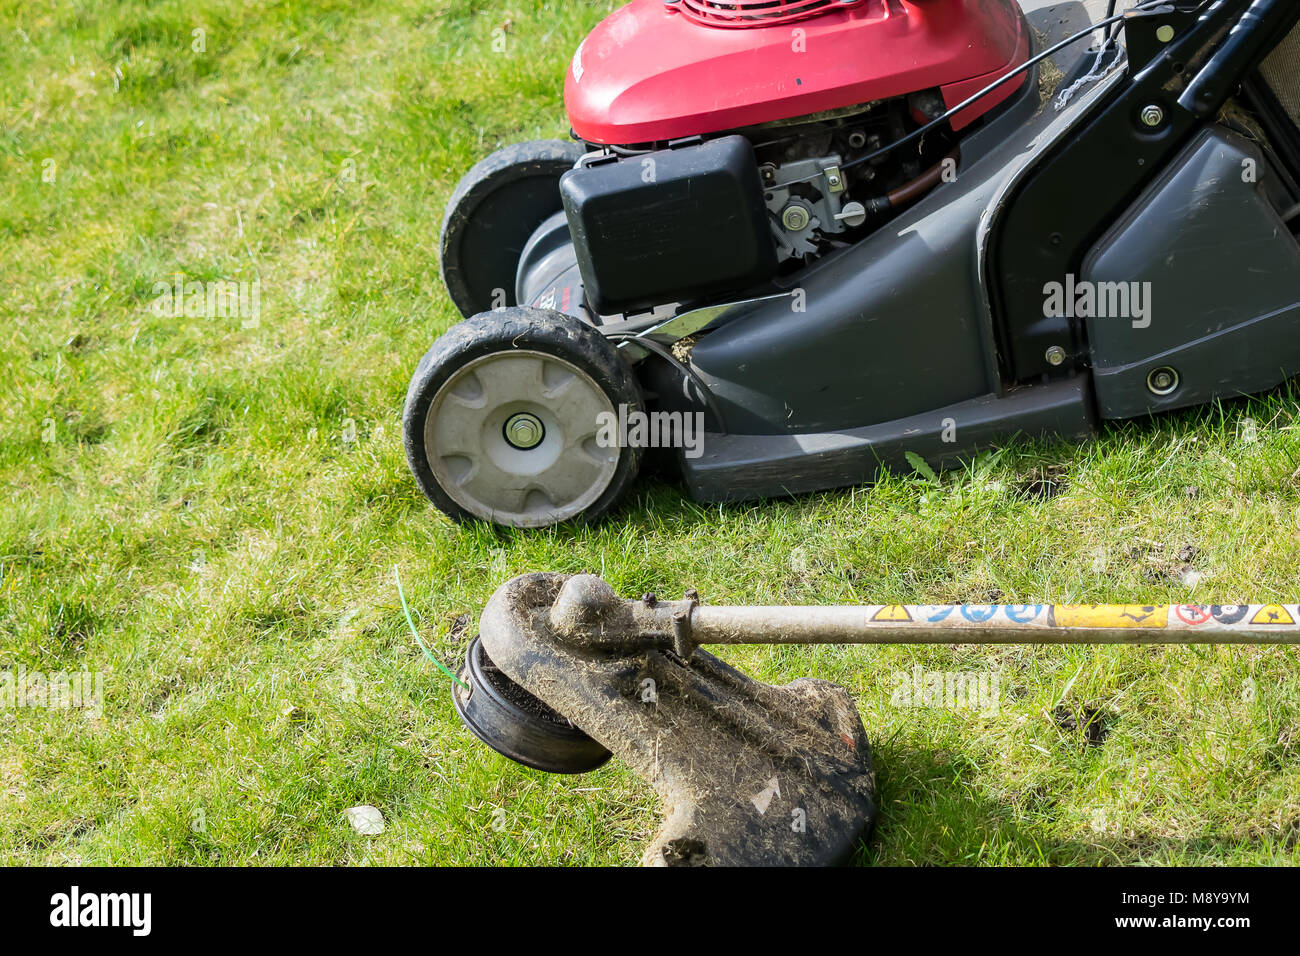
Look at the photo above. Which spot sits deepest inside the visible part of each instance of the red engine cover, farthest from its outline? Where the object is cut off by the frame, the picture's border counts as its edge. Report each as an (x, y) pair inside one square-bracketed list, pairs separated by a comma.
[(656, 71)]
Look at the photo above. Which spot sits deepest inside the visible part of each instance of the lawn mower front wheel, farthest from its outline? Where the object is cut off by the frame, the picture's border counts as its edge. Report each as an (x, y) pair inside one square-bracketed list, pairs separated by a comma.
[(504, 417)]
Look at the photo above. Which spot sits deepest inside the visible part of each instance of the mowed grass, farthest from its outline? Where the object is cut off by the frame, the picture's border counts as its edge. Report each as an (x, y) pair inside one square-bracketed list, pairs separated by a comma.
[(210, 514)]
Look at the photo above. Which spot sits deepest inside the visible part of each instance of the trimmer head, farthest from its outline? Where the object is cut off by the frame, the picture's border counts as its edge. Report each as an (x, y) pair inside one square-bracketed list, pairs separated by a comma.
[(516, 724), (750, 774)]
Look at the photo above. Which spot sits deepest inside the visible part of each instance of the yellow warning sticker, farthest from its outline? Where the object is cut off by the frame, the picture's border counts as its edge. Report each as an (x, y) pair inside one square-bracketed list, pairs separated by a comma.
[(1112, 615), (892, 612), (1273, 614)]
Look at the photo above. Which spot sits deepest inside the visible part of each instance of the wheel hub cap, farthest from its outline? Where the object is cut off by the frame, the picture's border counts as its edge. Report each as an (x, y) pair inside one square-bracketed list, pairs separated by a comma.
[(524, 430), (514, 437)]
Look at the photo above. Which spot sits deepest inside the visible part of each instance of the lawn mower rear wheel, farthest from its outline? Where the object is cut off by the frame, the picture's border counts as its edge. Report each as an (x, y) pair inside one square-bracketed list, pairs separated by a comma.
[(493, 211)]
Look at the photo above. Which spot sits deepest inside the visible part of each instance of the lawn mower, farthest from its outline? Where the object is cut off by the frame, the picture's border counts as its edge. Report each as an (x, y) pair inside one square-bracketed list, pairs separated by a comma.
[(794, 242)]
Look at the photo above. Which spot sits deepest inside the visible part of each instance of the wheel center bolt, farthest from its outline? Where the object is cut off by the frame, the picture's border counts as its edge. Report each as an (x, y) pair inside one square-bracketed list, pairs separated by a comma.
[(523, 430)]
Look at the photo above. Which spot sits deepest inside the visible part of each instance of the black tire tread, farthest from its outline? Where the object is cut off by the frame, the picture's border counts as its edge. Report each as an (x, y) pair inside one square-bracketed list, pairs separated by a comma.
[(510, 164)]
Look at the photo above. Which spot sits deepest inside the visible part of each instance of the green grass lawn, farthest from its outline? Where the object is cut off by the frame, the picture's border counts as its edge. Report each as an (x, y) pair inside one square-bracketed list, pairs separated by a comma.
[(209, 511)]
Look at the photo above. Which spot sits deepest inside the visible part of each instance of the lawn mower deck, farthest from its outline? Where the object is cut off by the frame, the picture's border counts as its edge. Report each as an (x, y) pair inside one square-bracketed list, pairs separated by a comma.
[(793, 263)]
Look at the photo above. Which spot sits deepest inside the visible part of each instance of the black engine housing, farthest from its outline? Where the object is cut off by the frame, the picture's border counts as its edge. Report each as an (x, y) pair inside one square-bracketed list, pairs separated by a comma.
[(668, 225)]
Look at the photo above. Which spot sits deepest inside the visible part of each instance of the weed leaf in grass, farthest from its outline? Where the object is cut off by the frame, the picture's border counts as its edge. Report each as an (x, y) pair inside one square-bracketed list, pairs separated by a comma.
[(922, 467)]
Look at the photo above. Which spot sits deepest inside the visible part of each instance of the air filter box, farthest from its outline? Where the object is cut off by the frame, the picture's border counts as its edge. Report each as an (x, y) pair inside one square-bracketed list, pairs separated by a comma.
[(668, 226)]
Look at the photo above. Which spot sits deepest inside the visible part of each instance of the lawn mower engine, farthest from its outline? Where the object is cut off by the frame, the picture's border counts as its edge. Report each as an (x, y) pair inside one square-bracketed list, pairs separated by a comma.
[(736, 142)]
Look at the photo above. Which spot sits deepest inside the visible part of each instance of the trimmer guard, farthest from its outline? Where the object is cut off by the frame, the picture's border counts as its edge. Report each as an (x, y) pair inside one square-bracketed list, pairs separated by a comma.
[(749, 774)]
